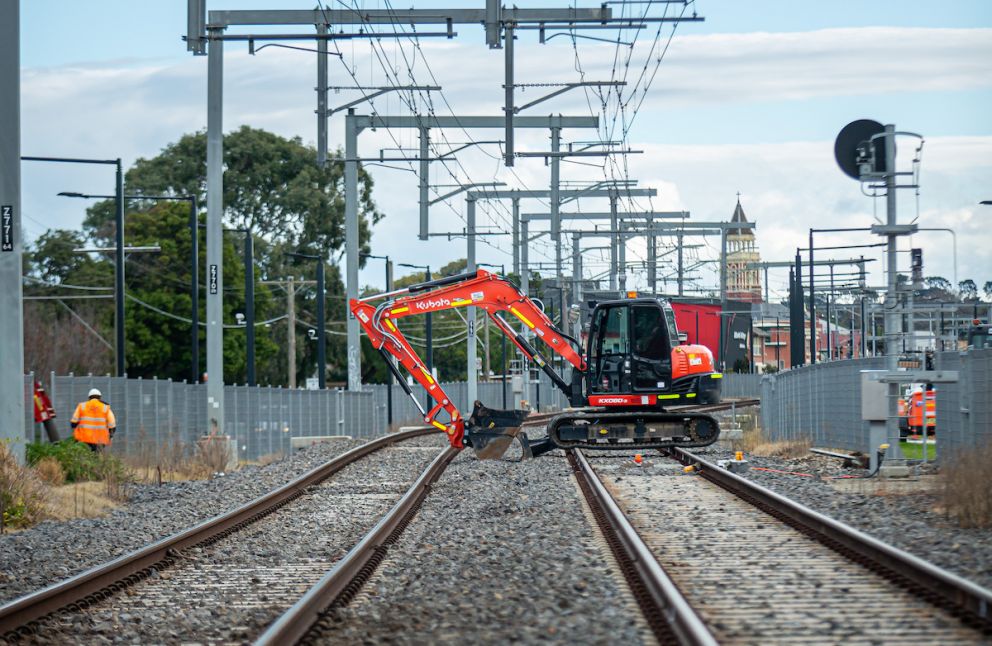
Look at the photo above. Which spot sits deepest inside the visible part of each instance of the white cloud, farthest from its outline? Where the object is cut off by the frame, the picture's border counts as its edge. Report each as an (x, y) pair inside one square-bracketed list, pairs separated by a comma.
[(134, 108)]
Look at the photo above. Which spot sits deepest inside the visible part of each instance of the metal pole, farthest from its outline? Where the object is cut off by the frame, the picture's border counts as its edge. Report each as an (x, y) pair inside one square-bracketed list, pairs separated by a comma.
[(621, 259), (424, 177), (429, 332), (11, 248), (614, 242), (119, 268), (652, 259), (321, 327), (556, 200), (576, 269), (291, 332), (766, 283), (812, 305), (893, 328), (352, 247), (250, 305), (321, 96), (503, 354), (516, 236), (389, 373), (215, 241), (525, 288), (723, 295), (508, 107), (681, 267), (194, 289), (778, 345), (830, 345), (472, 378)]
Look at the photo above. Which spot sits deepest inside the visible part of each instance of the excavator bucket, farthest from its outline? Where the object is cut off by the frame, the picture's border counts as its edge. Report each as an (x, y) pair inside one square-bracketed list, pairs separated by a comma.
[(490, 432)]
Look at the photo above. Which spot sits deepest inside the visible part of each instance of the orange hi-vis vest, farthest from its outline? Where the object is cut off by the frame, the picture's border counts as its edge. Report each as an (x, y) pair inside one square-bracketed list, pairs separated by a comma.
[(93, 420)]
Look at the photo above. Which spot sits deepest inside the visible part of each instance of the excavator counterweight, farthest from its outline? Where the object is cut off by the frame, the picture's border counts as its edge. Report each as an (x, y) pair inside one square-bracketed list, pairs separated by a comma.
[(632, 367)]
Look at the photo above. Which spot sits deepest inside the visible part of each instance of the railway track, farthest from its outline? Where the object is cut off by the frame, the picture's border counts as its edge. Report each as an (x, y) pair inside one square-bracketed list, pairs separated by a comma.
[(184, 572), (536, 419), (734, 563)]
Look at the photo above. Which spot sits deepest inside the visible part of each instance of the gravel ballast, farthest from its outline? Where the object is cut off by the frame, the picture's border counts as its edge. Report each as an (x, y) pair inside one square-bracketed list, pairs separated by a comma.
[(52, 551), (500, 552), (910, 521), (231, 590)]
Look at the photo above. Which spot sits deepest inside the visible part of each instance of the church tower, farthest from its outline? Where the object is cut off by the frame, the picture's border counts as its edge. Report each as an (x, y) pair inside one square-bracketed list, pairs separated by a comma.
[(743, 283)]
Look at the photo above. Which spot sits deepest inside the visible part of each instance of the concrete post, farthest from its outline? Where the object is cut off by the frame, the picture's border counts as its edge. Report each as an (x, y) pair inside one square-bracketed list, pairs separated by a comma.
[(351, 246), (215, 236), (11, 239)]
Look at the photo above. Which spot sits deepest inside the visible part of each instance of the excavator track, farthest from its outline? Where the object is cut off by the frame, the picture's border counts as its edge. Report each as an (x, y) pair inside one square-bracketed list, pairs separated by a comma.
[(645, 429)]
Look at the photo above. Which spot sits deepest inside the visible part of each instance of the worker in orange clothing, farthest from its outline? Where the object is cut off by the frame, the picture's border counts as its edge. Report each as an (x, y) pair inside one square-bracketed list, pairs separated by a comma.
[(94, 423)]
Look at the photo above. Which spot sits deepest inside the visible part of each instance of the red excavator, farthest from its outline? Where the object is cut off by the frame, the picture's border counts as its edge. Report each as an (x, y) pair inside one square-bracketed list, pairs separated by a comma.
[(633, 367)]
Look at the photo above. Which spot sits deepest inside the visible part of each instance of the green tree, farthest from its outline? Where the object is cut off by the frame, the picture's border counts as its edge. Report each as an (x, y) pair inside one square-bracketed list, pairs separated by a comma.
[(272, 187), (968, 290)]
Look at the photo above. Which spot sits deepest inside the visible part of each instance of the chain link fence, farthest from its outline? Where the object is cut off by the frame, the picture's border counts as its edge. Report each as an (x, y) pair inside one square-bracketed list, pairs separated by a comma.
[(741, 386)]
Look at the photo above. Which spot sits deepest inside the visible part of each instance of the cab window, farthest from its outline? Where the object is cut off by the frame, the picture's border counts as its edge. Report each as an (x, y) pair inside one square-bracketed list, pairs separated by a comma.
[(650, 332)]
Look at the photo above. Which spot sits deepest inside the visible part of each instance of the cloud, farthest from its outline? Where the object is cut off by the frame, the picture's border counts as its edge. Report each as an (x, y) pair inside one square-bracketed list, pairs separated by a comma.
[(134, 108)]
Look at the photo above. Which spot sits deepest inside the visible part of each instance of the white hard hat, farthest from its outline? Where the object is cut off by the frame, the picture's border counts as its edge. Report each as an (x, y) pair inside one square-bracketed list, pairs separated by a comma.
[(94, 392)]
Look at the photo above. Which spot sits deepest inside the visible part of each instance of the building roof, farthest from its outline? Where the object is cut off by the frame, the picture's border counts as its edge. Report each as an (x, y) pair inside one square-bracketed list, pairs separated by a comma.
[(739, 217)]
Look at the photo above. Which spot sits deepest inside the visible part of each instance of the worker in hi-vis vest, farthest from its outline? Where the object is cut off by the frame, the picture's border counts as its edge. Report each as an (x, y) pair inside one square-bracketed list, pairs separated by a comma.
[(93, 423)]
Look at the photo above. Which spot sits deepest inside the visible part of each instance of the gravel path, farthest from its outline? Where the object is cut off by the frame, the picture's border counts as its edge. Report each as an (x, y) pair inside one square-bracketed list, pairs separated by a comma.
[(501, 552), (910, 521), (52, 551), (230, 591)]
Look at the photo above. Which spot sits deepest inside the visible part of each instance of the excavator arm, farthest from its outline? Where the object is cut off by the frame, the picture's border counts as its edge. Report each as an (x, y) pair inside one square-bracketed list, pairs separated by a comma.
[(498, 297)]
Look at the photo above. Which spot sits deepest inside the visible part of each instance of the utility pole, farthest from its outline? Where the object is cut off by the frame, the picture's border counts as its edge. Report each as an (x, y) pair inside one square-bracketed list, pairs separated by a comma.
[(893, 320), (215, 243), (472, 377), (11, 239), (291, 331)]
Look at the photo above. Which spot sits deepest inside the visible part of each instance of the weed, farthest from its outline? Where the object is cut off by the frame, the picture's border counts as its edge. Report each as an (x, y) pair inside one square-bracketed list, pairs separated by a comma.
[(967, 480), (50, 471), (22, 493)]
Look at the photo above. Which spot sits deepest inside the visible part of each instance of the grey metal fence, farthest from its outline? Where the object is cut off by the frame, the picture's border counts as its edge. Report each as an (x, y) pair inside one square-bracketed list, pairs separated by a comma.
[(741, 386), (155, 415), (821, 402), (964, 409)]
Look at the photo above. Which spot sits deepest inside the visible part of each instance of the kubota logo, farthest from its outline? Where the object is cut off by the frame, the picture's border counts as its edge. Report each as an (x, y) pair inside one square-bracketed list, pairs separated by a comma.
[(426, 305)]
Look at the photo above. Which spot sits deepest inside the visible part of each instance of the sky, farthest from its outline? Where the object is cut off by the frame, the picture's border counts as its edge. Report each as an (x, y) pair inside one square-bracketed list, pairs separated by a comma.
[(748, 101)]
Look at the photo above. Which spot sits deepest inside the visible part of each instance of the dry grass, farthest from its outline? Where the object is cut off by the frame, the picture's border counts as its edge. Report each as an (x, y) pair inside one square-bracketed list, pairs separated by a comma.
[(50, 471), (22, 493), (967, 490), (756, 443), (79, 500)]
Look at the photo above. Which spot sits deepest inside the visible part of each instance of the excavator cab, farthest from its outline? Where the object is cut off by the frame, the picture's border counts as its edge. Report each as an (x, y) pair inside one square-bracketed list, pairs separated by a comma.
[(630, 347)]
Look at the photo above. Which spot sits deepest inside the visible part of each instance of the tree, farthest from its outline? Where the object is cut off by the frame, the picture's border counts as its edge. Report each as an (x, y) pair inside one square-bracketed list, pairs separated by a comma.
[(968, 290), (987, 288), (272, 187)]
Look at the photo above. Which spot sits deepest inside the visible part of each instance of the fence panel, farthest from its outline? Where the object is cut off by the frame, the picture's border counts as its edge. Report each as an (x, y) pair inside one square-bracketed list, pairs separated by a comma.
[(821, 402), (741, 386)]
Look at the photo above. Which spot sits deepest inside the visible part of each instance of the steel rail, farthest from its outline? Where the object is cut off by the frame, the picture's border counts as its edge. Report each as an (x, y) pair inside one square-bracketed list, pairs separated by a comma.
[(666, 611), (342, 582), (102, 581), (537, 418), (943, 588)]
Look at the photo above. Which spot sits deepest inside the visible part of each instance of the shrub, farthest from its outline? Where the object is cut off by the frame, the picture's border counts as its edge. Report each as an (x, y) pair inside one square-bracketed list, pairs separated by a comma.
[(967, 479), (78, 462), (22, 493)]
